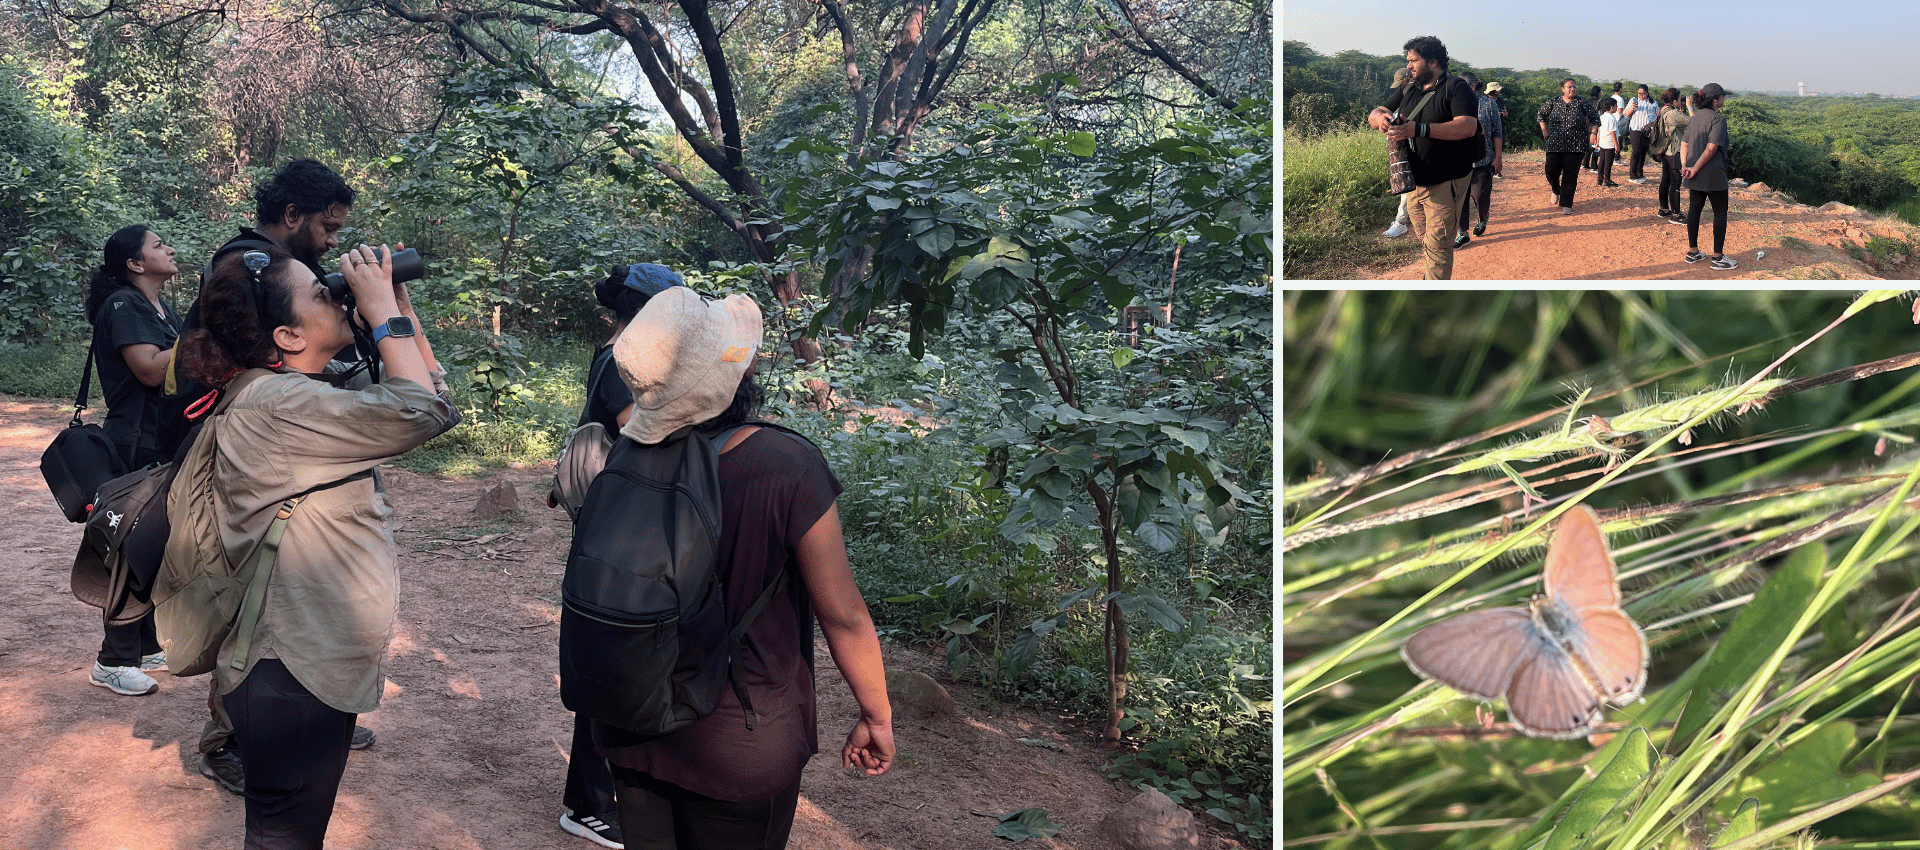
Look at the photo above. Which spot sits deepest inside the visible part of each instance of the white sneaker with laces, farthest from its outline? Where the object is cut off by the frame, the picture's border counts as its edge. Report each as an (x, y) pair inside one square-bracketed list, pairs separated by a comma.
[(1397, 229), (125, 681), (154, 663)]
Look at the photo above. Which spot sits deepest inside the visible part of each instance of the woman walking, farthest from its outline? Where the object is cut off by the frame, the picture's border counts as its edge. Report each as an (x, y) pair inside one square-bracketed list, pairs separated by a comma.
[(1672, 129), (1569, 125), (315, 660), (1703, 155), (133, 333)]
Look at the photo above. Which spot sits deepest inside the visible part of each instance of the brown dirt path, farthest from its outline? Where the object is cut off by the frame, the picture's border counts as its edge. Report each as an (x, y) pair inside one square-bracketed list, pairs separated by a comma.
[(473, 738), (1613, 234)]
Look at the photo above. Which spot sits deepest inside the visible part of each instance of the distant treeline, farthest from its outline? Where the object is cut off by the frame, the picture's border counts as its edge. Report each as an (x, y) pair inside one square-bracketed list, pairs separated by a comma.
[(1863, 151)]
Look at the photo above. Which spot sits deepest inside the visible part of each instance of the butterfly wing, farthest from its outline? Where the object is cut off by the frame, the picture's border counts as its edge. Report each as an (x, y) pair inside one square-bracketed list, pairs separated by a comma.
[(1587, 620), (1612, 648), (1550, 698), (1579, 571), (1475, 653)]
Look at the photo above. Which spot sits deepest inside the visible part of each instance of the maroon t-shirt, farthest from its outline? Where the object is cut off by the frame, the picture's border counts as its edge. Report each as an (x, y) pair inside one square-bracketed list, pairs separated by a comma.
[(773, 488)]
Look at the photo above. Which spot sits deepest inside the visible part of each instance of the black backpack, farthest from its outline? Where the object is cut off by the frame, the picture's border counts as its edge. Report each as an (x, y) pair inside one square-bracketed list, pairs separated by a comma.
[(645, 645)]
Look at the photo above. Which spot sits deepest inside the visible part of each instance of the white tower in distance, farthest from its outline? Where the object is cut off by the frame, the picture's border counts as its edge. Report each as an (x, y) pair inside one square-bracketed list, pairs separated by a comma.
[(1803, 89)]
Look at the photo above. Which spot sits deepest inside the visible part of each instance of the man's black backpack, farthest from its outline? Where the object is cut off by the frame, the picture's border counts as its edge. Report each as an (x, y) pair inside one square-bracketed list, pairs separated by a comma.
[(645, 644)]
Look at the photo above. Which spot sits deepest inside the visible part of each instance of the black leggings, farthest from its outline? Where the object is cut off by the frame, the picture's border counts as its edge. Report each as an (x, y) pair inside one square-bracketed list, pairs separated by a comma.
[(296, 752), (1695, 200), (1670, 182)]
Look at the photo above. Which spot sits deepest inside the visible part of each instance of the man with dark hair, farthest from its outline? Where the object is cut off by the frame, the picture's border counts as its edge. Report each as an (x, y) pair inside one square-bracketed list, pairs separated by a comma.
[(302, 209), (1438, 115)]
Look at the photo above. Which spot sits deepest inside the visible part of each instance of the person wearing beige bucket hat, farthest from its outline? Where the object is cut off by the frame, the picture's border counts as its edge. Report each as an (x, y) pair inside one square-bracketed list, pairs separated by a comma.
[(715, 783), (683, 356)]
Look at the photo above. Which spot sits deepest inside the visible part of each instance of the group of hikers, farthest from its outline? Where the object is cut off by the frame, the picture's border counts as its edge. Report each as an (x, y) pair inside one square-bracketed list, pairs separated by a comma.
[(298, 436), (1456, 128)]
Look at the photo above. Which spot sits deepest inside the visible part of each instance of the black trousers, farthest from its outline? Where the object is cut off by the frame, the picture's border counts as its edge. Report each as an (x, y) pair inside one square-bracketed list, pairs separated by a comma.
[(296, 750), (656, 815), (123, 646), (1670, 182), (589, 782), (1697, 199), (1563, 175), (1479, 194), (1607, 156), (1642, 139)]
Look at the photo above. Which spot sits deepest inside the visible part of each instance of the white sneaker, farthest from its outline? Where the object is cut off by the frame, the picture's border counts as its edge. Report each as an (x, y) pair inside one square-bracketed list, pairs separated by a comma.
[(154, 663), (1397, 229), (125, 681)]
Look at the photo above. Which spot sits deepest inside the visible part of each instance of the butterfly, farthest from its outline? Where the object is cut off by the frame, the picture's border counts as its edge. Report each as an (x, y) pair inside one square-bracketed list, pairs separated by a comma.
[(1558, 660)]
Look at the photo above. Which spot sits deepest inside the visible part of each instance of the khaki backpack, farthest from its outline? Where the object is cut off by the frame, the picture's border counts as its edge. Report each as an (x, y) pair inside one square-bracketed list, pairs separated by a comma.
[(200, 594)]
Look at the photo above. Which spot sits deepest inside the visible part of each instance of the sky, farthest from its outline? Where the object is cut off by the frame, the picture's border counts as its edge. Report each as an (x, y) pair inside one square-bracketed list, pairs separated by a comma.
[(1831, 45)]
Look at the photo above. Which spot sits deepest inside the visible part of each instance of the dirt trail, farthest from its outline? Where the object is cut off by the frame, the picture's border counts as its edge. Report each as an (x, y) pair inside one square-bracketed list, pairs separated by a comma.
[(1614, 234), (473, 738)]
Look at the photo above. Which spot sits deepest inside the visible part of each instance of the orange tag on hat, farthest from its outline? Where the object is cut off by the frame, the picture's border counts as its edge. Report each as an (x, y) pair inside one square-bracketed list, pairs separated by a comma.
[(736, 354)]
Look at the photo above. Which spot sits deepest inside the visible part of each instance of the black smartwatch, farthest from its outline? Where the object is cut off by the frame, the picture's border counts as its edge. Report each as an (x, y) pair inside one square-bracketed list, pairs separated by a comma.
[(396, 326)]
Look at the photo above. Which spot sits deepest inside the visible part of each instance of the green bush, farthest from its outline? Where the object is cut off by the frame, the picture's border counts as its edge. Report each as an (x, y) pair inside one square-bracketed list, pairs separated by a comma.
[(1334, 189)]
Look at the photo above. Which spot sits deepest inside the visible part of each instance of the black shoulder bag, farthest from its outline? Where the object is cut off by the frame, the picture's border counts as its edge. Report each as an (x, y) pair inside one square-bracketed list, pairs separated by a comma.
[(81, 458)]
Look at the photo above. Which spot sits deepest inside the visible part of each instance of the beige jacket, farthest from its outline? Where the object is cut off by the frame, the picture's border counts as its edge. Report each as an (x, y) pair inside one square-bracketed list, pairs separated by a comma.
[(330, 605)]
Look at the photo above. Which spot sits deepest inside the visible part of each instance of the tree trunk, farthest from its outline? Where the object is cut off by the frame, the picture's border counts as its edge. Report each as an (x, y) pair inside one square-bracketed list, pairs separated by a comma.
[(1116, 643)]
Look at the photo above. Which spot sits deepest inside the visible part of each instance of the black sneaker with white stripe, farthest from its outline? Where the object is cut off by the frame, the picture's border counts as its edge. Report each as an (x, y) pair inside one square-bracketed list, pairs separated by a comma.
[(602, 831)]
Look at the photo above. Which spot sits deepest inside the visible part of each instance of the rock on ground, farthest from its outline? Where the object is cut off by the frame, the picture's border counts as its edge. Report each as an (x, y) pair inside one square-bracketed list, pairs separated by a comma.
[(497, 499), (1151, 821)]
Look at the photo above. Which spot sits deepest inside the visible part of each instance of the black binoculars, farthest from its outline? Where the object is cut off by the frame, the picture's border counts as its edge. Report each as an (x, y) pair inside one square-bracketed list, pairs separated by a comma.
[(406, 267)]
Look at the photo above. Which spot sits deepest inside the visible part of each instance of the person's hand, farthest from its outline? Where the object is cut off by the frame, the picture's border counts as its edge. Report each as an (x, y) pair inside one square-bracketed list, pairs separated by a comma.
[(371, 280), (1401, 131), (1687, 172), (869, 747)]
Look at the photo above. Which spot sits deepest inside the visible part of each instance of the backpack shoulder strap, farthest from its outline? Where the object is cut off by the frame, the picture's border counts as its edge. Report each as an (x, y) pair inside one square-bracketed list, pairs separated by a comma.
[(254, 575)]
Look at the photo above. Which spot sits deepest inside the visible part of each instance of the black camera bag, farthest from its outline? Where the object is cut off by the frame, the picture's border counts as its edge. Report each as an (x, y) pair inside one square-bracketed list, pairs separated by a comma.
[(81, 458)]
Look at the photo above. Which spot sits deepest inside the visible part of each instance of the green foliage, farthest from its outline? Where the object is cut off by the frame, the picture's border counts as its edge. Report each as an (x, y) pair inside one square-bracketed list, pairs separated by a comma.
[(1038, 234), (1336, 191), (59, 199), (1024, 824)]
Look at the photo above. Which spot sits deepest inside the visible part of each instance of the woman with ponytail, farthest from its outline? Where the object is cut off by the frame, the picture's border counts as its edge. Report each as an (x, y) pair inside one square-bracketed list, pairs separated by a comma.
[(133, 333), (314, 662)]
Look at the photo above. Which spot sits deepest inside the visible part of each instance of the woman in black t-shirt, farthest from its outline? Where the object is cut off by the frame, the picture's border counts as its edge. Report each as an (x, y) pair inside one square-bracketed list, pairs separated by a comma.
[(133, 333)]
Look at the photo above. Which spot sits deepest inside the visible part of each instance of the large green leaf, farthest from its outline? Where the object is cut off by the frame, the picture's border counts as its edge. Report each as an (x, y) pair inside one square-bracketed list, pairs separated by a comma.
[(1609, 794), (1026, 823), (1752, 637)]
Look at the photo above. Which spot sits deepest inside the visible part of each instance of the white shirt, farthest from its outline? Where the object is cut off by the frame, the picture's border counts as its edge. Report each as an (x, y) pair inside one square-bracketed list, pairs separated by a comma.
[(1609, 129)]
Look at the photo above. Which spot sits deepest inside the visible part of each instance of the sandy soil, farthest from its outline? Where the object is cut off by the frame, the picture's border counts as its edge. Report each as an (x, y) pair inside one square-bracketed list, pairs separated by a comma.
[(472, 736), (1613, 234)]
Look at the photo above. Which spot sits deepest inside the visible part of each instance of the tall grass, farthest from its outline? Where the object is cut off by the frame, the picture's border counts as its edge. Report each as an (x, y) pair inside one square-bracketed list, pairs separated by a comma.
[(1334, 192), (1778, 597)]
